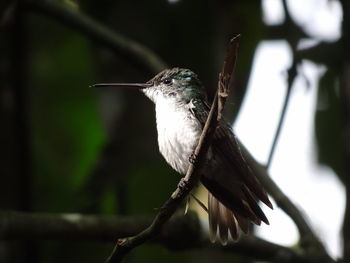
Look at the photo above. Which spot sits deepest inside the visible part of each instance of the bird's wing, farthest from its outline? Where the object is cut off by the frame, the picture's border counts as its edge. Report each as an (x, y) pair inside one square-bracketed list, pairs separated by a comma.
[(240, 190)]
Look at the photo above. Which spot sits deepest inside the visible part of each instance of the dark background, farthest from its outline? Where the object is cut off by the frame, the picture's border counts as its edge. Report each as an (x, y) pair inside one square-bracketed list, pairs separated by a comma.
[(66, 147)]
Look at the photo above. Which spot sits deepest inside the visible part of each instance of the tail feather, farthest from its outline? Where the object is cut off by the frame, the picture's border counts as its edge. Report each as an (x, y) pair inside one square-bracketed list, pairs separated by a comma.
[(232, 224), (222, 218), (226, 220), (223, 224), (232, 196), (213, 211)]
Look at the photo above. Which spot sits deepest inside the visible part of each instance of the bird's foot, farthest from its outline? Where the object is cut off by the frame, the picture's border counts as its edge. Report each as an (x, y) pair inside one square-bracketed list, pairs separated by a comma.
[(183, 184), (193, 158)]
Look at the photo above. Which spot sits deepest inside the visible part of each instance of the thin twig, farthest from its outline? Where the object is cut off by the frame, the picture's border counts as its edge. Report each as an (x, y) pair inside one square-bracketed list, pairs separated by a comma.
[(192, 176), (292, 73), (200, 203), (291, 76), (83, 23)]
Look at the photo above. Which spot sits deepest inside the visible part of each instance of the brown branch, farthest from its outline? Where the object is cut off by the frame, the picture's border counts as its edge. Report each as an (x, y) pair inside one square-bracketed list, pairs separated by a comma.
[(323, 53), (252, 246), (37, 226), (44, 226), (103, 35), (278, 32), (192, 176)]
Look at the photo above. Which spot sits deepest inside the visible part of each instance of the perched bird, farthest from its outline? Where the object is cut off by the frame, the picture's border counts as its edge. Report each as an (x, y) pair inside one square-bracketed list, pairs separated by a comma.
[(181, 111)]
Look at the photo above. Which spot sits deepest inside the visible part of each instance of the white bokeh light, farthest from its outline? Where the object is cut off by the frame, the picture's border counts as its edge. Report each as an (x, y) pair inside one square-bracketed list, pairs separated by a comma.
[(319, 18), (272, 12), (294, 167), (264, 98)]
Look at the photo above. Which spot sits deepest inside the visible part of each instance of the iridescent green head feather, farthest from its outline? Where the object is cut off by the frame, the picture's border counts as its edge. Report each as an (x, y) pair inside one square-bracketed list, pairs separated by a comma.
[(179, 83)]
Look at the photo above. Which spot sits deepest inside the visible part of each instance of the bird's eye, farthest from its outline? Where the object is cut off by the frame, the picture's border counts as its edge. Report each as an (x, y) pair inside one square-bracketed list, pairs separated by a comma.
[(167, 81)]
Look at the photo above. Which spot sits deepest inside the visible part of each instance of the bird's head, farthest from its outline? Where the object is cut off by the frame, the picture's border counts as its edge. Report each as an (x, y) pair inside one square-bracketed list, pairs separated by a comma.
[(176, 83)]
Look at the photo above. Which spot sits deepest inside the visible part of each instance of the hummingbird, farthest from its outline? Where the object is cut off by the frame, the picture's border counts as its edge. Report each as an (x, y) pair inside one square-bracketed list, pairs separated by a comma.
[(182, 107)]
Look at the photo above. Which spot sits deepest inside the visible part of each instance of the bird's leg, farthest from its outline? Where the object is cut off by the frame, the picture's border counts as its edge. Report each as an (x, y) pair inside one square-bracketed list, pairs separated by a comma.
[(183, 184)]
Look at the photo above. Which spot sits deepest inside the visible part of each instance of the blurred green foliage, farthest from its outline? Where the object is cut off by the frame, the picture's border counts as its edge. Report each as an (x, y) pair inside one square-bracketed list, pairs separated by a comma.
[(67, 131)]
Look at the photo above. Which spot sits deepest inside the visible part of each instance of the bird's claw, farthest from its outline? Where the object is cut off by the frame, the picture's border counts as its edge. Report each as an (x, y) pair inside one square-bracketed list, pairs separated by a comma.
[(183, 184), (193, 158)]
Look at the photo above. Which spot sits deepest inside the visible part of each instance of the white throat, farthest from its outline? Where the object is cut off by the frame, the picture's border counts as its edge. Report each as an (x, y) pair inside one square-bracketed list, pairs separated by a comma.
[(178, 131)]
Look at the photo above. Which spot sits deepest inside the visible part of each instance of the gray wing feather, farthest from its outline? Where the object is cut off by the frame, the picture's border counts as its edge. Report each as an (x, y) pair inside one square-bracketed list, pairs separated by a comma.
[(232, 201)]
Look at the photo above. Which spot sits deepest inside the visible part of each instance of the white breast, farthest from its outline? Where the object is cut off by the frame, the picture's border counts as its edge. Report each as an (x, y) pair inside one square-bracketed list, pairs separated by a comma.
[(178, 132)]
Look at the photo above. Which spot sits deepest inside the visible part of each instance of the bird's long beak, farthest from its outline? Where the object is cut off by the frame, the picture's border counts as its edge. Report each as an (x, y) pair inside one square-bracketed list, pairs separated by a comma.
[(122, 85)]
